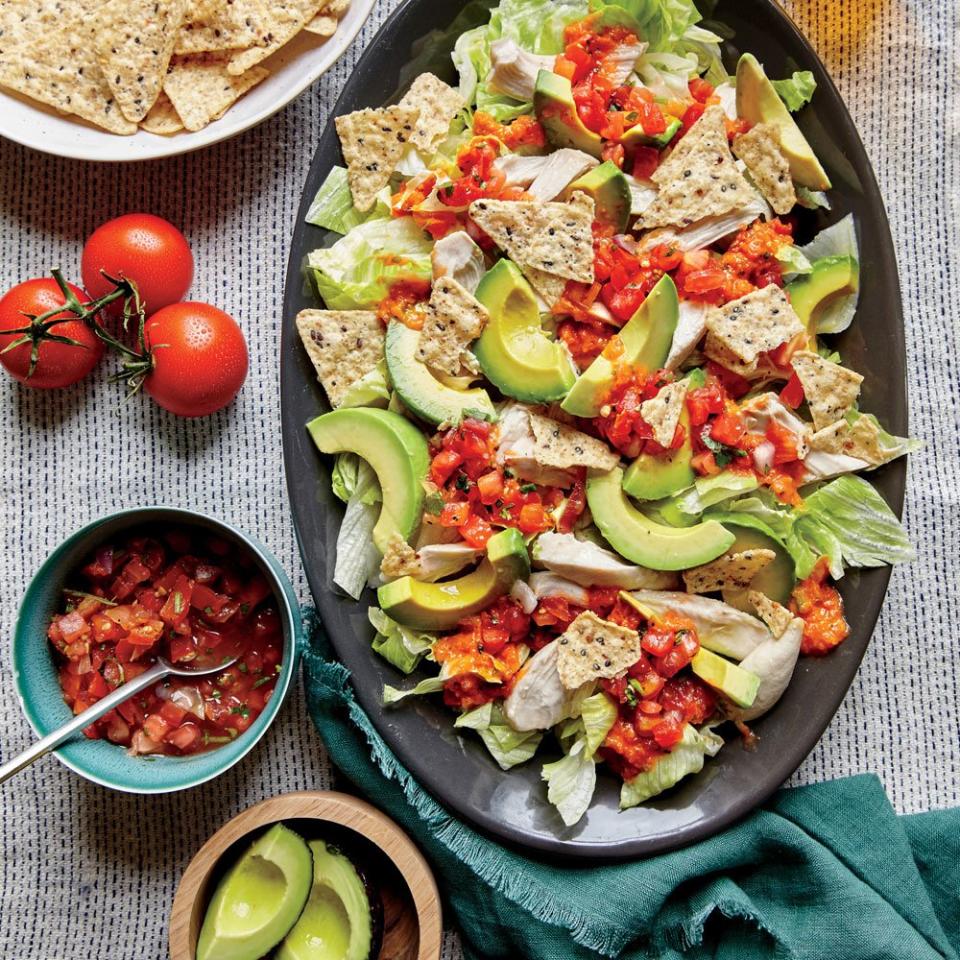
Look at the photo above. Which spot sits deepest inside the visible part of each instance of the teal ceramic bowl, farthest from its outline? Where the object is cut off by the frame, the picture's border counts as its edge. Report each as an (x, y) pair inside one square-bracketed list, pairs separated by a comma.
[(35, 674)]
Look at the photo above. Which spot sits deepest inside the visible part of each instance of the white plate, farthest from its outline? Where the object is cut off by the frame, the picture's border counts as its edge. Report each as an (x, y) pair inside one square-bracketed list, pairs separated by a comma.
[(292, 69)]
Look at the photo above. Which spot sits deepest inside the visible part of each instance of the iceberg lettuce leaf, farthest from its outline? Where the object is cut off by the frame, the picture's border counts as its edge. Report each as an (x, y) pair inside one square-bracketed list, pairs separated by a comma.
[(332, 208), (796, 91), (356, 273), (399, 645), (507, 746), (392, 695), (571, 781), (685, 758)]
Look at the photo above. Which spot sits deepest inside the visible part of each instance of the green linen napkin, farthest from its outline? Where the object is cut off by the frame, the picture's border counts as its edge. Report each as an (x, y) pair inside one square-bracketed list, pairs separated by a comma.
[(827, 871)]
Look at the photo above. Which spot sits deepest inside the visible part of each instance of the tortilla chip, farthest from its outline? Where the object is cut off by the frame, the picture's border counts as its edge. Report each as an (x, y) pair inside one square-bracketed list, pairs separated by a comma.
[(730, 570), (322, 26), (662, 412), (700, 179), (344, 345), (373, 141), (754, 324), (213, 26), (775, 616), (284, 20), (861, 440), (708, 133), (558, 445), (549, 287), (47, 52), (134, 43), (554, 237), (455, 318), (831, 390), (438, 104), (163, 118), (201, 90), (760, 151), (400, 560), (595, 649)]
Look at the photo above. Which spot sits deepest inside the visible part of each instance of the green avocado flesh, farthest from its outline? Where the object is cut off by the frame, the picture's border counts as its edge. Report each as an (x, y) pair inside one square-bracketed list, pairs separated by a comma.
[(514, 352), (646, 339), (640, 539), (555, 109), (421, 392), (439, 606), (830, 277), (635, 137), (336, 922), (738, 684), (258, 901), (759, 102), (611, 194), (652, 477), (776, 580), (396, 451)]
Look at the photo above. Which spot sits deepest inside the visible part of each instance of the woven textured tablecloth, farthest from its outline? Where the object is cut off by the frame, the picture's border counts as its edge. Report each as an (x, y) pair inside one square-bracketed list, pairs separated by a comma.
[(86, 873)]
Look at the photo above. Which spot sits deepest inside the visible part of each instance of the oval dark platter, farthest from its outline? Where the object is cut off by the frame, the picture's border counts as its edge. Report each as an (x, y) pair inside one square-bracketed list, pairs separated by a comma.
[(457, 769)]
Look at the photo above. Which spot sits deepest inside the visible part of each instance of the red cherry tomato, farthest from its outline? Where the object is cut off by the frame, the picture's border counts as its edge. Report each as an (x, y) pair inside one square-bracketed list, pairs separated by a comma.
[(199, 356), (143, 248), (59, 364)]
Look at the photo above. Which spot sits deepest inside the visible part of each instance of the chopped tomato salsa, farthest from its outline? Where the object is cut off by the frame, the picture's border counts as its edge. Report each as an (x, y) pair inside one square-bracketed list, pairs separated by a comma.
[(820, 606), (188, 599)]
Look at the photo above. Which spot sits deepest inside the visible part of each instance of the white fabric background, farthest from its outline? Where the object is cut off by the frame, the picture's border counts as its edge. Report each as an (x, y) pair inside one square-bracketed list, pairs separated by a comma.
[(89, 873)]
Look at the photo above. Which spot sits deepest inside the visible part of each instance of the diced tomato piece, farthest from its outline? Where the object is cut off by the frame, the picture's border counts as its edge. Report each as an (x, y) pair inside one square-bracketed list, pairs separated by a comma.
[(475, 530), (792, 394), (172, 715), (490, 487), (155, 727), (177, 605), (728, 428), (185, 738), (97, 688), (533, 518), (443, 465), (454, 514), (700, 90)]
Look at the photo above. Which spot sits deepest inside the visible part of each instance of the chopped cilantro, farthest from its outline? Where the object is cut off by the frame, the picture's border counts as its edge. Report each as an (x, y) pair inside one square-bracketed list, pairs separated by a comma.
[(463, 482), (242, 711), (261, 682), (242, 667), (528, 487)]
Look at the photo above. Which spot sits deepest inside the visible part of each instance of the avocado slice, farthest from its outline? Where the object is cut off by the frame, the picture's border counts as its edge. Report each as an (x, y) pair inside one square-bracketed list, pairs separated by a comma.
[(439, 606), (555, 109), (340, 920), (738, 684), (759, 102), (611, 194), (421, 392), (777, 579), (830, 277), (652, 478), (396, 451), (515, 353), (635, 137), (258, 900), (640, 539), (646, 338)]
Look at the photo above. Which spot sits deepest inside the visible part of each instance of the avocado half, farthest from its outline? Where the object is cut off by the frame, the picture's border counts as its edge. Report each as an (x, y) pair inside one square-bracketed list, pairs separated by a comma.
[(396, 451), (646, 339), (421, 392), (259, 899), (644, 541), (440, 606), (343, 916)]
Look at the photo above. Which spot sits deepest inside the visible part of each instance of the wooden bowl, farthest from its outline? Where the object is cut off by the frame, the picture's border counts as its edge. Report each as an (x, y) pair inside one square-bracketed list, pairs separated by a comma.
[(411, 905)]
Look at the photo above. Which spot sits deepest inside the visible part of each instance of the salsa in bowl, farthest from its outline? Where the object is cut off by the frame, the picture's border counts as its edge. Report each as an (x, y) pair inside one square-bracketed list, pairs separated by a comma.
[(148, 583)]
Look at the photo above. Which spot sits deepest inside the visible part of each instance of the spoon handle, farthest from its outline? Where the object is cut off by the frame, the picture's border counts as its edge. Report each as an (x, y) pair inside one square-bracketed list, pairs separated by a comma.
[(53, 740)]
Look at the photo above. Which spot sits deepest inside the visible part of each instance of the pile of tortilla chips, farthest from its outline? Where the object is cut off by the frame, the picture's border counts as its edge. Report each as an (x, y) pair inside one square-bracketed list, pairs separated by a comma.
[(160, 65)]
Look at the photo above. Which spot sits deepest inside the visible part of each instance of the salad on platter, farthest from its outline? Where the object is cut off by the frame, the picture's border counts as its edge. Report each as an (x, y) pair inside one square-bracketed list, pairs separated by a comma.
[(599, 455)]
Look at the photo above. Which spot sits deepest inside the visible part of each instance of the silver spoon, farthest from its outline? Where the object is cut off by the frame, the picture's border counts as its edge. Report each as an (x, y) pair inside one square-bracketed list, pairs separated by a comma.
[(124, 692)]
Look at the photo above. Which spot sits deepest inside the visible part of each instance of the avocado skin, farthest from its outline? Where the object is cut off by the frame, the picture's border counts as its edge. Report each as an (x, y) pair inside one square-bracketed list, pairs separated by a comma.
[(360, 902), (759, 102), (287, 852), (829, 276), (555, 109), (611, 194), (642, 540), (395, 449), (516, 356), (421, 392), (440, 606), (646, 339)]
